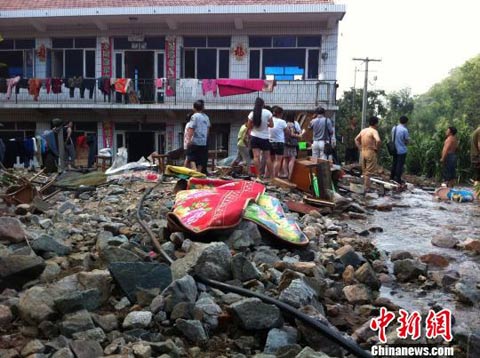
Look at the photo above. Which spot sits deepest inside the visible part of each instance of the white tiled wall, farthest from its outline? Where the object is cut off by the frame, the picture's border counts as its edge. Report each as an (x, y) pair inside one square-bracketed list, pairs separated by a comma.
[(239, 68), (41, 66)]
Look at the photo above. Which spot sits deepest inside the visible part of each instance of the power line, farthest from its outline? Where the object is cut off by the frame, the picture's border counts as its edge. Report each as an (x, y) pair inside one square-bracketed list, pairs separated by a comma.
[(365, 86)]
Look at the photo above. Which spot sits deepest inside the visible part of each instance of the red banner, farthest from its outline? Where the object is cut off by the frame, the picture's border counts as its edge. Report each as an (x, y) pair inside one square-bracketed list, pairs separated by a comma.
[(171, 57), (106, 57)]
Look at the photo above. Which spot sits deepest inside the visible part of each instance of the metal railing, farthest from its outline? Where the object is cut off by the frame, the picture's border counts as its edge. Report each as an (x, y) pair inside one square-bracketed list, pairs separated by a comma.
[(301, 93)]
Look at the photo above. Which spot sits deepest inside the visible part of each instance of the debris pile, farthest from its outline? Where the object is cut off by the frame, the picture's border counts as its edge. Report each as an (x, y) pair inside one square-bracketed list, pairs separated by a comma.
[(82, 278)]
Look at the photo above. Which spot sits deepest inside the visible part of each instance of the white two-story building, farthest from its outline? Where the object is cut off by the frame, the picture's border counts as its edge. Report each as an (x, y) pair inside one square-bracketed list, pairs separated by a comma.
[(76, 58)]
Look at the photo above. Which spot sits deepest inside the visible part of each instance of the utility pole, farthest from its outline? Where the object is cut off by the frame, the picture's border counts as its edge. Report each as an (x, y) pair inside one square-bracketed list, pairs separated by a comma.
[(365, 87)]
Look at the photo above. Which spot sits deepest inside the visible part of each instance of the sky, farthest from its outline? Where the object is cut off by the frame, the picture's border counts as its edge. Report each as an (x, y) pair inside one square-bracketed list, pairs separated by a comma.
[(418, 41)]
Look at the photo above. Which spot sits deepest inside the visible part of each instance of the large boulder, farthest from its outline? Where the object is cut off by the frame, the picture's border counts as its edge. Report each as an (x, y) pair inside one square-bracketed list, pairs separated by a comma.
[(253, 314), (181, 290), (408, 269), (447, 242), (16, 270), (358, 294), (36, 305), (365, 274), (299, 294), (46, 243), (212, 261), (135, 276), (11, 230), (243, 269)]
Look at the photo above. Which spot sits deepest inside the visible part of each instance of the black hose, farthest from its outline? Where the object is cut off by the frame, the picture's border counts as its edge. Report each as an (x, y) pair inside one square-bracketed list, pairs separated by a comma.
[(350, 346), (335, 337)]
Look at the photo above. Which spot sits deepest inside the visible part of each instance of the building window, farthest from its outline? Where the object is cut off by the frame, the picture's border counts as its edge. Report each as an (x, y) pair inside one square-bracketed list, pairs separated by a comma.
[(285, 57), (18, 57), (73, 58), (206, 57)]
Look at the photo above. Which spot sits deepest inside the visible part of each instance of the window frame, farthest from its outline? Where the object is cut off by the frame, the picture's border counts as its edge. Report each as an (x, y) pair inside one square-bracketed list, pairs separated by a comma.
[(307, 50), (84, 60), (25, 53), (207, 47)]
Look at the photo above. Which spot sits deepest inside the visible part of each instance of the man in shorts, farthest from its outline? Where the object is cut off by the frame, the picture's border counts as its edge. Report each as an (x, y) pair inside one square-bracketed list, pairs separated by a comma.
[(368, 141)]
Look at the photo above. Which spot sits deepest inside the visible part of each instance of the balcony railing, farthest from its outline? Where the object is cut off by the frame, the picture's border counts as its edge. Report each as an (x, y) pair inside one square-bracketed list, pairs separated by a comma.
[(288, 94)]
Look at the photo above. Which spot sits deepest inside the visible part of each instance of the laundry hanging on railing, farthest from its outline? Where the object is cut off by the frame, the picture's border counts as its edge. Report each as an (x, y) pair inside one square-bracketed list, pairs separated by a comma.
[(34, 85), (209, 86), (11, 84), (189, 83), (159, 82), (121, 84), (233, 87)]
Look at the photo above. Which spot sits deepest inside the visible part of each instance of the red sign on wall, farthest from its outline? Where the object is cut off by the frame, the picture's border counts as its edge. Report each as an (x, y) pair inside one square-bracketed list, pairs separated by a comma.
[(106, 57)]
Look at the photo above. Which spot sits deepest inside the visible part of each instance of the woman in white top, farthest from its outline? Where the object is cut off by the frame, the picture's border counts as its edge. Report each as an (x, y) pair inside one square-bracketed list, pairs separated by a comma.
[(277, 139), (259, 120)]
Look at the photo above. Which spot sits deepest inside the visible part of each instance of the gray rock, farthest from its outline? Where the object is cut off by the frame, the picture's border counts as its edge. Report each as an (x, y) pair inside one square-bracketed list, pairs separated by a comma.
[(86, 349), (308, 352), (67, 205), (6, 316), (209, 260), (117, 254), (63, 353), (348, 256), (251, 229), (99, 280), (243, 269), (36, 305), (78, 300), (16, 270), (400, 255), (253, 314), (365, 274), (192, 330), (95, 334), (209, 309), (357, 294), (183, 310), (142, 350), (182, 290), (11, 230), (133, 276), (9, 353), (34, 346), (46, 243), (315, 339), (265, 256), (467, 292), (76, 322), (299, 294), (108, 322), (240, 240), (51, 272), (137, 319), (408, 269), (278, 338), (45, 223), (444, 241)]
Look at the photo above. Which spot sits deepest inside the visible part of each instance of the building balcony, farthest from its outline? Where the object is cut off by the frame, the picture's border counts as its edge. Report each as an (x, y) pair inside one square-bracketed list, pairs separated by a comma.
[(144, 94)]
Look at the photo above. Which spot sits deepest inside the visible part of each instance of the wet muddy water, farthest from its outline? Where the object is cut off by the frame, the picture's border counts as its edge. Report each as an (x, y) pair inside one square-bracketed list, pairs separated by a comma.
[(411, 228)]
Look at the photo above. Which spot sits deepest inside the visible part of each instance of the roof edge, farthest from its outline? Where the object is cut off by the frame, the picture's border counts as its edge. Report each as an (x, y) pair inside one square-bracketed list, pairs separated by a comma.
[(176, 10)]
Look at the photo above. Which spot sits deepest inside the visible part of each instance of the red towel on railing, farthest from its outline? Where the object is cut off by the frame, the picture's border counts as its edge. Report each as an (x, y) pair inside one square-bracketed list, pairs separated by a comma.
[(34, 85), (121, 85), (56, 85), (209, 86), (231, 87)]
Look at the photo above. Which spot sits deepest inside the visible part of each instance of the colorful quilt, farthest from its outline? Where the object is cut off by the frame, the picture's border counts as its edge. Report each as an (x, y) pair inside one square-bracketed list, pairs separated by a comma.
[(213, 204), (268, 213)]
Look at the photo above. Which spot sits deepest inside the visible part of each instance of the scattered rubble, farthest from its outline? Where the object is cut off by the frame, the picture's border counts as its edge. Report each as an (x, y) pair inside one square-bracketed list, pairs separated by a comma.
[(82, 279)]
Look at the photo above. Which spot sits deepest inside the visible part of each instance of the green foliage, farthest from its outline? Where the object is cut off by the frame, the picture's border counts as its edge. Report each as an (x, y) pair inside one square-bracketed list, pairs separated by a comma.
[(451, 102)]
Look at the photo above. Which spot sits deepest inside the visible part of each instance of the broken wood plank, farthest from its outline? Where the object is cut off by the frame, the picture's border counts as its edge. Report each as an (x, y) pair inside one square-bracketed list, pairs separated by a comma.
[(283, 183), (301, 208), (318, 202)]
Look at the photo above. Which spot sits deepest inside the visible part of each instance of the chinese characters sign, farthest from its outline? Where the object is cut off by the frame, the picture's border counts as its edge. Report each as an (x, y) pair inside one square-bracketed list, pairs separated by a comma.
[(171, 57)]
